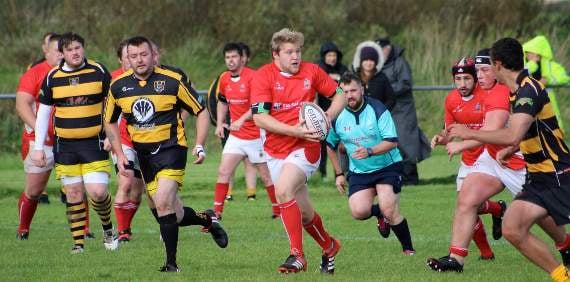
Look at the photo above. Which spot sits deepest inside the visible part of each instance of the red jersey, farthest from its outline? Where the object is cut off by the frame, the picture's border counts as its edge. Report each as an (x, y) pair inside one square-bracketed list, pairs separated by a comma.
[(468, 111), (286, 93), (31, 83), (235, 92), (125, 137), (497, 98)]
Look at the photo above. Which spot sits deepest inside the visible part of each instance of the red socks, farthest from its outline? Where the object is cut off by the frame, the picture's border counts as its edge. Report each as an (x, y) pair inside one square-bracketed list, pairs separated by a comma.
[(462, 252), (480, 239), (220, 196), (292, 221), (271, 194), (26, 210), (490, 207), (316, 229), (125, 213)]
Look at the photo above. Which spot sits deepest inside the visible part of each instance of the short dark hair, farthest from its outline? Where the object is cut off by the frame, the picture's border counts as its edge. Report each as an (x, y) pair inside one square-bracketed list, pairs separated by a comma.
[(509, 52), (138, 41), (67, 38), (245, 48), (122, 45), (232, 46), (349, 77)]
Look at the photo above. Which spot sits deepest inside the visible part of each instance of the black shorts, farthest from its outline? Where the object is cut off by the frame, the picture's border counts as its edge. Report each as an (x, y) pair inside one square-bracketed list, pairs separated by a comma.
[(548, 195), (130, 166), (80, 157), (172, 158), (391, 175)]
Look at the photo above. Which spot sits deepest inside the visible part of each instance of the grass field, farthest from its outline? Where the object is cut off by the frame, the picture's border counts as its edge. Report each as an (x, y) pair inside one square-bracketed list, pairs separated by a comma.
[(257, 243)]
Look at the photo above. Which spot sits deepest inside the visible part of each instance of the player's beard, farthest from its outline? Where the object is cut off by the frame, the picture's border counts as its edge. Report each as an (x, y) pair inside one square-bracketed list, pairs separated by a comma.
[(354, 103)]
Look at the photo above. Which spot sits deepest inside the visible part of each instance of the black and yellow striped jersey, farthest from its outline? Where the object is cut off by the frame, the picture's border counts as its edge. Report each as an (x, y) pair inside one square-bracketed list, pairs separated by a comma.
[(152, 108), (543, 147), (77, 97)]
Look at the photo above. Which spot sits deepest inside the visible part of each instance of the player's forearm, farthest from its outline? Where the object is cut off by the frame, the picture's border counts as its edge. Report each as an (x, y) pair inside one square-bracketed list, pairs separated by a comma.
[(337, 105), (202, 124), (113, 134), (41, 126), (25, 108), (246, 116), (469, 144), (383, 147), (221, 112), (334, 160), (269, 123), (503, 136)]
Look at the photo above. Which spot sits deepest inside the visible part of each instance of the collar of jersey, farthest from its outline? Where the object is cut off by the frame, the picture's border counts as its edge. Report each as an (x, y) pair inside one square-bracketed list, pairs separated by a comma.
[(65, 68)]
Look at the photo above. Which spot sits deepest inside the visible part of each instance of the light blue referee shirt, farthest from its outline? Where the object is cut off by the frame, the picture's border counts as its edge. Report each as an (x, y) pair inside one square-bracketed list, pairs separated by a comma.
[(367, 127)]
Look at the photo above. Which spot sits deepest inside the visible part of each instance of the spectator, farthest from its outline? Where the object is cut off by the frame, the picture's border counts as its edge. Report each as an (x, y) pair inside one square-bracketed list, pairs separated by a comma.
[(331, 63), (412, 142), (541, 66), (367, 63)]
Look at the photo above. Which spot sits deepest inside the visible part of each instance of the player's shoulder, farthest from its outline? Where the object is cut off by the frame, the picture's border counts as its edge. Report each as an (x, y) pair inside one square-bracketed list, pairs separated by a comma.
[(452, 96), (267, 71), (248, 72), (121, 81), (501, 88), (378, 107), (97, 66), (170, 71)]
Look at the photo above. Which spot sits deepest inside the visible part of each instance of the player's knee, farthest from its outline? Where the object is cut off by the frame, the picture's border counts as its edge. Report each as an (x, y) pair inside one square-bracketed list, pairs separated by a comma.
[(98, 195), (283, 195), (389, 212), (359, 213), (513, 235), (224, 175)]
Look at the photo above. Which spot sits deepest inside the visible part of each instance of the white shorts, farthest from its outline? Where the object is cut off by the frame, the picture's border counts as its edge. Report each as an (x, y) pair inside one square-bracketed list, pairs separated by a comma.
[(89, 178), (297, 158), (463, 171), (29, 166), (252, 149), (131, 155), (512, 179)]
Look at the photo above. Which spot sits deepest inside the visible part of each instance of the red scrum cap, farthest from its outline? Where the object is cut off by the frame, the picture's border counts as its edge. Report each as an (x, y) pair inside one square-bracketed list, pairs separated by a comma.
[(464, 65)]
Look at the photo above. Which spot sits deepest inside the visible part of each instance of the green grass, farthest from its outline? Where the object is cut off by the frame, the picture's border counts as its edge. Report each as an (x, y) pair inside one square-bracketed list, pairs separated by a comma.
[(257, 243)]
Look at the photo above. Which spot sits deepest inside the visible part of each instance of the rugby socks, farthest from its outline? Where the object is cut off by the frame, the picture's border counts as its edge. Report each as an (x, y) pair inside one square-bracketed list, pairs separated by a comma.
[(77, 217), (559, 274), (125, 213), (491, 207), (220, 196), (374, 211), (103, 209), (169, 233), (480, 239), (26, 210), (291, 218), (121, 215), (316, 229), (132, 208), (86, 216), (458, 251), (191, 217), (274, 205), (403, 233)]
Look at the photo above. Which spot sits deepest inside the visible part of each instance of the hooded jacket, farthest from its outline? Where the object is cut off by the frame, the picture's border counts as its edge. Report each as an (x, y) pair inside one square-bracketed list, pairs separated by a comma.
[(378, 86), (339, 68)]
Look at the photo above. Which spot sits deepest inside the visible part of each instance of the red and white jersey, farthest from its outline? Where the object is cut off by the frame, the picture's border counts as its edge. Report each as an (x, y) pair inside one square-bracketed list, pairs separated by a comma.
[(31, 83), (497, 98), (235, 92), (286, 93), (125, 137), (468, 111)]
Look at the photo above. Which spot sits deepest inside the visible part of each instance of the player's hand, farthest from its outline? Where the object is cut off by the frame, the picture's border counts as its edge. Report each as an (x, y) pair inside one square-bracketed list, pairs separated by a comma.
[(503, 156), (459, 131), (437, 140), (360, 153), (200, 153), (301, 131), (220, 131), (340, 184), (38, 158), (107, 145), (236, 125), (453, 148), (122, 162)]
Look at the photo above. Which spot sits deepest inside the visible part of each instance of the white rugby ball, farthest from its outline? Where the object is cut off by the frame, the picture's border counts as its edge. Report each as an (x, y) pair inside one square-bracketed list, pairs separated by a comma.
[(315, 119)]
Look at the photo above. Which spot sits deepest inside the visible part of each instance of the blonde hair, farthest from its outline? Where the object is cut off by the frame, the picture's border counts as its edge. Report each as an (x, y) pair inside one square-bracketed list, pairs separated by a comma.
[(286, 36)]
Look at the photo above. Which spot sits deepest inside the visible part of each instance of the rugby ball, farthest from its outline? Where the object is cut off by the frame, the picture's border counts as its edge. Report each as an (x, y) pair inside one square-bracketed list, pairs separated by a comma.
[(315, 119)]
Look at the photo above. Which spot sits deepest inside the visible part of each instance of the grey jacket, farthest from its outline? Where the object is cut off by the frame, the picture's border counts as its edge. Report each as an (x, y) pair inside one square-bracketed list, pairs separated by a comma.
[(411, 140)]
